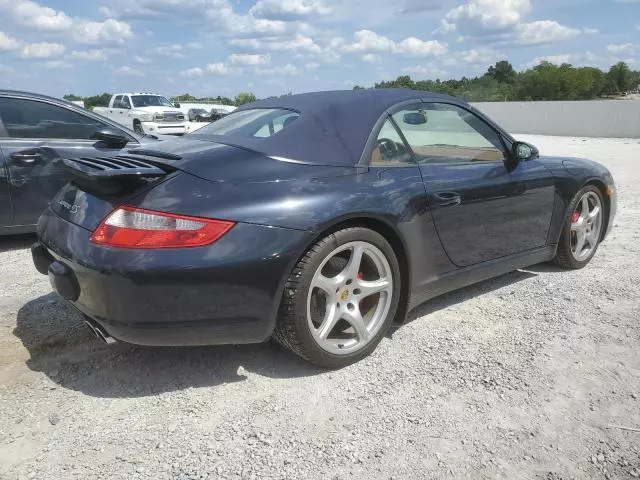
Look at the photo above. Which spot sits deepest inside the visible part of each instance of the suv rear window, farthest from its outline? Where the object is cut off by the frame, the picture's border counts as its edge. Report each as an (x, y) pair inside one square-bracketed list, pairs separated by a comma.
[(255, 122)]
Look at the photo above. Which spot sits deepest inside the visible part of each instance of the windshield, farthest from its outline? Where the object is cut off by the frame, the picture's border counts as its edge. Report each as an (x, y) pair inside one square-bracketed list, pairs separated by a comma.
[(150, 101), (256, 122)]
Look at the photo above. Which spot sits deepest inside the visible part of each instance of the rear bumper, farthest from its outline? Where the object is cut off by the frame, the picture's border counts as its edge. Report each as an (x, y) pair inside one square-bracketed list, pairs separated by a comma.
[(228, 292)]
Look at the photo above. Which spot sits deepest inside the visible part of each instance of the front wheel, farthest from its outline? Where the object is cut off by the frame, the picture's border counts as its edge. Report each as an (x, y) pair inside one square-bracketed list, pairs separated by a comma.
[(137, 127), (582, 230), (340, 298)]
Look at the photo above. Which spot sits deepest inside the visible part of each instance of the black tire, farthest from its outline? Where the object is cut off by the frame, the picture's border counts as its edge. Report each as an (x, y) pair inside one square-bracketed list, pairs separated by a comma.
[(292, 329), (137, 127), (198, 118), (564, 257)]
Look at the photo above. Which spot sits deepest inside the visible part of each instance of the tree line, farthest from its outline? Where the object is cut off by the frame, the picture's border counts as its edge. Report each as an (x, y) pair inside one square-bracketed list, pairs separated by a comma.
[(500, 82), (102, 100), (545, 81)]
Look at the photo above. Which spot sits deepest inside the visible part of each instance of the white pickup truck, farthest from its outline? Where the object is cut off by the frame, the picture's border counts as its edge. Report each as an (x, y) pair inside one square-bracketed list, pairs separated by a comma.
[(146, 113)]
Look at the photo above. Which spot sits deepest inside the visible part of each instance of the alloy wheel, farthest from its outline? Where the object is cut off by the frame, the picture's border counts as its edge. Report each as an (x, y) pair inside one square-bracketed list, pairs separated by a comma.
[(586, 226), (349, 297)]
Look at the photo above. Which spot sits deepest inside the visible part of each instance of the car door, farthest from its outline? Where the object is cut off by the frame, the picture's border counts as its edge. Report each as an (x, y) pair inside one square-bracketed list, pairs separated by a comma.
[(38, 132), (117, 112), (484, 205)]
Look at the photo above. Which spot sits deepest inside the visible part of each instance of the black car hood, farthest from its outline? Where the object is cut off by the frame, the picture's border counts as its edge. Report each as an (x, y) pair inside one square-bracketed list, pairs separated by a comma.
[(227, 163)]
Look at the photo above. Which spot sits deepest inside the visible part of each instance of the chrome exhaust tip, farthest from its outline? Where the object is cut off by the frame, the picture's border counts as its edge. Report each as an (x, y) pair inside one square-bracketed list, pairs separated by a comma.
[(99, 332)]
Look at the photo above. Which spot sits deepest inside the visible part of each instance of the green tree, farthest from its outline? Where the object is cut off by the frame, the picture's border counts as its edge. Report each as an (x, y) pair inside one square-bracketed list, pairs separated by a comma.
[(72, 98), (245, 97), (97, 100), (621, 77), (502, 72)]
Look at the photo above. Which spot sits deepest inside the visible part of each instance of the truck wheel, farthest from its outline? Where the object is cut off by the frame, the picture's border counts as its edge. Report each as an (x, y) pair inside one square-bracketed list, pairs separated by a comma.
[(137, 127)]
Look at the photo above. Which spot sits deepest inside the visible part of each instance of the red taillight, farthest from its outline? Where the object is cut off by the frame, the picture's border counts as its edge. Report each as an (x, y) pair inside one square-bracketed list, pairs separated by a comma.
[(129, 227)]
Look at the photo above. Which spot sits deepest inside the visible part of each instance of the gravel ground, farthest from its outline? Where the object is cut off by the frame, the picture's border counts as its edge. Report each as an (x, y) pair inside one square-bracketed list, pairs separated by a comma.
[(535, 374)]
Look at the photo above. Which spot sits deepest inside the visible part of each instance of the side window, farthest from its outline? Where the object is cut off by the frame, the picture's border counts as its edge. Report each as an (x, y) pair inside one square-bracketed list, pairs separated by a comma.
[(117, 102), (442, 133), (390, 149), (32, 119), (276, 125), (126, 103)]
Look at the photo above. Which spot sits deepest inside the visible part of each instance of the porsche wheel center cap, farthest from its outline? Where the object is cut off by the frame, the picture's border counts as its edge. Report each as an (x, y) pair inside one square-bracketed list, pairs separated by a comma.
[(345, 294)]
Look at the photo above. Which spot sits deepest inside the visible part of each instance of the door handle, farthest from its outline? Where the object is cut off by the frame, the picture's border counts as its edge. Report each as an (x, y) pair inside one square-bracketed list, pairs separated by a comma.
[(447, 199), (26, 158)]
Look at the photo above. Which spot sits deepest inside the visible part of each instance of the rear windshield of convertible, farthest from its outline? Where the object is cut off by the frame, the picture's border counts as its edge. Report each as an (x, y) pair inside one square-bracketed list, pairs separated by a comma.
[(252, 123)]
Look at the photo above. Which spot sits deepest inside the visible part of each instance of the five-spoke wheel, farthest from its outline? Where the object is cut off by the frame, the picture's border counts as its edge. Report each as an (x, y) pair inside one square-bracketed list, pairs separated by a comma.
[(583, 230), (586, 225), (349, 297), (341, 298)]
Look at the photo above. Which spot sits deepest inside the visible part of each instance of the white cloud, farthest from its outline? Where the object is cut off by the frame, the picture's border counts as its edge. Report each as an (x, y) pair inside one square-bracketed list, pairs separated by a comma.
[(95, 55), (555, 59), (175, 50), (623, 49), (372, 58), (109, 31), (57, 64), (41, 50), (212, 69), (107, 12), (427, 71), (217, 68), (414, 47), (282, 9), (544, 31), (367, 41), (504, 21), (9, 43), (30, 50), (141, 60), (127, 71), (246, 59), (590, 31), (298, 44), (478, 57), (32, 15), (485, 15), (287, 69), (194, 45), (312, 65)]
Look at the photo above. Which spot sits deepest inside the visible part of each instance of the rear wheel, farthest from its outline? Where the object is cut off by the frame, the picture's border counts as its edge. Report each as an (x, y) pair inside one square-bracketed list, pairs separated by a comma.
[(582, 230), (137, 127), (340, 298)]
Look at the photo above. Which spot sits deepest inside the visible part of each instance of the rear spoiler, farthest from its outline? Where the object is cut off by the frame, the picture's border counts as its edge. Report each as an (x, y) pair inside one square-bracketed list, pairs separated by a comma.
[(113, 175)]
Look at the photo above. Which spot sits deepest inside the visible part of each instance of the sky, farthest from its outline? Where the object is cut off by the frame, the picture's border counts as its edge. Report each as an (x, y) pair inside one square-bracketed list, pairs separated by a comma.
[(271, 47)]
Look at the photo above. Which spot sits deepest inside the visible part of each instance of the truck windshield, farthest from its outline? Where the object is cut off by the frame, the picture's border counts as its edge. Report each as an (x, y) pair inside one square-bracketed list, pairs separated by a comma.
[(150, 101)]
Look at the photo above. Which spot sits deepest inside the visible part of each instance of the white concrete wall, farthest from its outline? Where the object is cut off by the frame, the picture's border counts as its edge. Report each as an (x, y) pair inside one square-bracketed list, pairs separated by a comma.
[(597, 118)]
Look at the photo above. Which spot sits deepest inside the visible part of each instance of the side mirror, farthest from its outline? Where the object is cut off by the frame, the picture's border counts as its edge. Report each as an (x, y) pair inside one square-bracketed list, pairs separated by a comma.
[(176, 104), (521, 151), (414, 118), (111, 137)]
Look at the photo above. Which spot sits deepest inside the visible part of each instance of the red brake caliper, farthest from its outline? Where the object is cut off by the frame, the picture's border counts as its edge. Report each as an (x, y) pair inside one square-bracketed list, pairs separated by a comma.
[(575, 216), (360, 276)]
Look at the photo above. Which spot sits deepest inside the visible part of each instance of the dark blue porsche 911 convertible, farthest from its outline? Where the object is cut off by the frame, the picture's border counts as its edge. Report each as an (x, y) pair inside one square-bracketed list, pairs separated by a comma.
[(316, 219)]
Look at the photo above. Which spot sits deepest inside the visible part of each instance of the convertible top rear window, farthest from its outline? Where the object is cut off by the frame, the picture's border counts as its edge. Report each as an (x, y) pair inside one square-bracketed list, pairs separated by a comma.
[(255, 122)]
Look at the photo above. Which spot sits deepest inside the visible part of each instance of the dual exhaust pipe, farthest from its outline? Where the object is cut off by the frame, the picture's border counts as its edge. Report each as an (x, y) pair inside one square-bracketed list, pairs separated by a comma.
[(99, 332)]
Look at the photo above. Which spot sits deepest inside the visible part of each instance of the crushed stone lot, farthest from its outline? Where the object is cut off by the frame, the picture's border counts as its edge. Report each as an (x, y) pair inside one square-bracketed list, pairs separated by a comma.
[(535, 374)]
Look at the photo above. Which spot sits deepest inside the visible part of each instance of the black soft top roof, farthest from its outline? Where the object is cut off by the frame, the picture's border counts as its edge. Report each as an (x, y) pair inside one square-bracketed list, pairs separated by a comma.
[(333, 126)]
